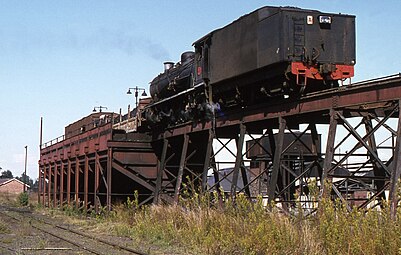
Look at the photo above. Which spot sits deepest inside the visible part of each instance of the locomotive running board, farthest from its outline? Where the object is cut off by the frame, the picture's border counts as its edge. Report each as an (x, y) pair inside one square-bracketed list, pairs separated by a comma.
[(176, 95)]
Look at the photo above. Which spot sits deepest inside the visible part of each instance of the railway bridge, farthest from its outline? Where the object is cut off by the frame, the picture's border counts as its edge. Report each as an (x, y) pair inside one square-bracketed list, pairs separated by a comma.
[(348, 137)]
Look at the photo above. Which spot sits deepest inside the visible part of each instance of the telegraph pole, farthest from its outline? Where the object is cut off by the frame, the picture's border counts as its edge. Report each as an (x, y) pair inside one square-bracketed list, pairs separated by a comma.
[(26, 159)]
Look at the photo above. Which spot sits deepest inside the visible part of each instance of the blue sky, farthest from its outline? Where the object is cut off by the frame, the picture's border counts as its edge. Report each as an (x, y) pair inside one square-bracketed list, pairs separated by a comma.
[(59, 59)]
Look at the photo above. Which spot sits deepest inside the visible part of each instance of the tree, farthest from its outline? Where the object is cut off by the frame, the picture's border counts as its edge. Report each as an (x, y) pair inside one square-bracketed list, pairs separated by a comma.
[(35, 185), (26, 180), (6, 174)]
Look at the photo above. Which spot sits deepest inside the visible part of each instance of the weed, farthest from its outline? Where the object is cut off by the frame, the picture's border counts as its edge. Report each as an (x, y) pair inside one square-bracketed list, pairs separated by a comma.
[(213, 224), (23, 199), (25, 229), (4, 229), (43, 243)]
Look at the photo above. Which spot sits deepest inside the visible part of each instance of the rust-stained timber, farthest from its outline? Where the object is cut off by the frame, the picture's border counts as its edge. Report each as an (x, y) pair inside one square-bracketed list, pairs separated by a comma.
[(61, 197), (181, 168), (49, 185), (109, 171), (206, 164), (55, 183), (276, 160), (96, 186), (86, 180), (238, 159), (40, 176), (377, 169), (128, 173), (397, 168), (160, 170), (329, 152), (69, 181), (76, 182)]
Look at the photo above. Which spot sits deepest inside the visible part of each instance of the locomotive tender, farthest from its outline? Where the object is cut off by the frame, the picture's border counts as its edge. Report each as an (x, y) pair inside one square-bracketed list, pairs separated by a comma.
[(267, 55)]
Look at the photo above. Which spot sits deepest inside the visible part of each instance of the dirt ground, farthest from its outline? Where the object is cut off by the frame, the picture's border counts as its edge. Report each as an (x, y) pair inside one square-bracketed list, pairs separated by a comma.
[(24, 231)]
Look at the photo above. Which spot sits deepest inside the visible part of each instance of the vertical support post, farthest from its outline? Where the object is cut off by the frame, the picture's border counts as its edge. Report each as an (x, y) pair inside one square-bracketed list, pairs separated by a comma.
[(25, 180), (62, 184), (69, 182), (238, 159), (40, 183), (77, 182), (262, 168), (86, 180), (206, 164), (109, 173), (216, 174), (245, 181), (49, 185), (371, 140), (160, 170), (377, 169), (276, 159), (181, 168), (329, 155), (316, 150), (55, 185), (315, 139), (40, 187), (395, 176), (44, 186), (96, 187)]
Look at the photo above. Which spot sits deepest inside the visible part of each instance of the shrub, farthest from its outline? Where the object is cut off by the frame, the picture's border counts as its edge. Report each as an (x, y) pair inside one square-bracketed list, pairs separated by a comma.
[(23, 199)]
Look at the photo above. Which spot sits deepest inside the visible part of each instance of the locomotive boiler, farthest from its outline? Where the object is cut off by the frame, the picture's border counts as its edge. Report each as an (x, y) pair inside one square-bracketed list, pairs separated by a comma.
[(269, 55)]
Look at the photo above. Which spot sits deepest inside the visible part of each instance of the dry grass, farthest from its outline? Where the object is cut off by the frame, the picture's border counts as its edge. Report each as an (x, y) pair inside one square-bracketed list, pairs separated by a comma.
[(8, 198), (199, 226), (247, 228), (4, 229)]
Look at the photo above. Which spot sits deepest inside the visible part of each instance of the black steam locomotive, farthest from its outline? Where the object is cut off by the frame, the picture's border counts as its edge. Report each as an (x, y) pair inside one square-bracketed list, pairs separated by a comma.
[(270, 54)]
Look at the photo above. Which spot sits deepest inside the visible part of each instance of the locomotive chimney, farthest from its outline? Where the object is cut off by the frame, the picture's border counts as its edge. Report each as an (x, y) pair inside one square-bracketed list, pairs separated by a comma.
[(168, 65)]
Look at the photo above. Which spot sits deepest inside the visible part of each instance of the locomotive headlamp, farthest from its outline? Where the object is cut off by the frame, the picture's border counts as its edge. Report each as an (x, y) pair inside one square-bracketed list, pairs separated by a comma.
[(324, 19)]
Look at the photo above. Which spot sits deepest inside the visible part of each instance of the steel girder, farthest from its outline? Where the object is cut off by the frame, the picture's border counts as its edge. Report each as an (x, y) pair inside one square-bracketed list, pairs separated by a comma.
[(369, 155), (181, 165), (360, 149), (73, 181), (276, 177)]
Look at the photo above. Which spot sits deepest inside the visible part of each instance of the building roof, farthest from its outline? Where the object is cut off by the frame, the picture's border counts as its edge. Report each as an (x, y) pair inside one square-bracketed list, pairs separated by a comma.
[(4, 181)]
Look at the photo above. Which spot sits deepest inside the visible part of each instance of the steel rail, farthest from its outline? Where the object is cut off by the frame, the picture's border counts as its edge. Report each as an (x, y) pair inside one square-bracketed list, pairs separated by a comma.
[(51, 233), (68, 230)]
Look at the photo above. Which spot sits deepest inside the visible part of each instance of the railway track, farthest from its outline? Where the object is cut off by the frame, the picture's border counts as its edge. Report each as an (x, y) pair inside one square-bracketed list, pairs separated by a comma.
[(81, 242)]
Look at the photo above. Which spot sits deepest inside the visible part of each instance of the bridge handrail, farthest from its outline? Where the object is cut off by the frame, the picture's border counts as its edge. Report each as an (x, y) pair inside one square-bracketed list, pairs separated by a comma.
[(53, 141)]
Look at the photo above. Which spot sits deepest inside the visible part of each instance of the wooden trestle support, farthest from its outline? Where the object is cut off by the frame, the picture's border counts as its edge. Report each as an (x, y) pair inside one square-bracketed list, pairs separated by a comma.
[(349, 138)]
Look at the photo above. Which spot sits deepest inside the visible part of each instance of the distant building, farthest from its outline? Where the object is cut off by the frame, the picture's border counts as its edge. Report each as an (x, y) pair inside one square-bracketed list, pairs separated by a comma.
[(225, 179), (12, 186)]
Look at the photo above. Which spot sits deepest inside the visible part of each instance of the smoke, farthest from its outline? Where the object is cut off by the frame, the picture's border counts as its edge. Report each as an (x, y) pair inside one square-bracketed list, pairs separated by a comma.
[(126, 42), (101, 40)]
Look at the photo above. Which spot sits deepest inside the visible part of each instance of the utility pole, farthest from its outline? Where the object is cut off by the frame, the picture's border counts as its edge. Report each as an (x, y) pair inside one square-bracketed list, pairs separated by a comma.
[(26, 159)]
